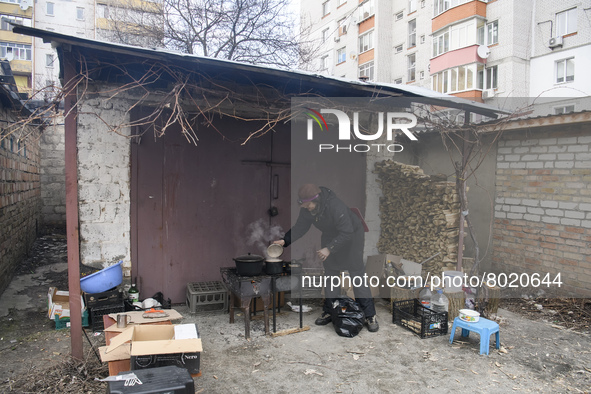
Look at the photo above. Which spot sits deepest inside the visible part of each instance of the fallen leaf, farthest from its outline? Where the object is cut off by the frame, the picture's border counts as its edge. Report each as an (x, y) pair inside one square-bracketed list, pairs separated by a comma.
[(215, 377), (503, 350), (312, 371), (256, 370), (257, 364), (355, 357), (497, 364)]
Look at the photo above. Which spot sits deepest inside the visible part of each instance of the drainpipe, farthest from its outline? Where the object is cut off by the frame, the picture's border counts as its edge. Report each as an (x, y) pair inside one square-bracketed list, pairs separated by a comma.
[(72, 226)]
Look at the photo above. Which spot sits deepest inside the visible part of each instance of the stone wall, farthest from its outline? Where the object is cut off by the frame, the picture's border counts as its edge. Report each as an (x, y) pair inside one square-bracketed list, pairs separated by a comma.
[(53, 175), (543, 205), (104, 182), (20, 195)]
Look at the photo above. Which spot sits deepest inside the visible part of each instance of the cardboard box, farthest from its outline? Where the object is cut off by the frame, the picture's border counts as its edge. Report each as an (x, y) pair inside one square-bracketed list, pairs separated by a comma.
[(151, 346), (376, 266), (58, 303)]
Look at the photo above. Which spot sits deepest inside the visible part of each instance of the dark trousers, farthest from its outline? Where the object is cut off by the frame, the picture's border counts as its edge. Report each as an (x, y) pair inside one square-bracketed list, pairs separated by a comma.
[(362, 293)]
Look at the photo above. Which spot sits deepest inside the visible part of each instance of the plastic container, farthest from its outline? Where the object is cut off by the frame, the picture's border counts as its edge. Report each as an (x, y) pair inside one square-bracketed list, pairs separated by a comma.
[(424, 322), (425, 297), (103, 280), (439, 302), (470, 316)]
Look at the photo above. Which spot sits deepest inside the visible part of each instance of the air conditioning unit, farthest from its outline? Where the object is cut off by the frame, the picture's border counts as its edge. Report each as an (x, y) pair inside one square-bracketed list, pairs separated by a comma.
[(555, 42), (488, 93)]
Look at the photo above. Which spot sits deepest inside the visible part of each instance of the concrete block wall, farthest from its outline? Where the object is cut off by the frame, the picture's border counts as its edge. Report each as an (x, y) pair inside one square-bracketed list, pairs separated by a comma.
[(53, 175), (543, 206), (20, 196), (104, 182)]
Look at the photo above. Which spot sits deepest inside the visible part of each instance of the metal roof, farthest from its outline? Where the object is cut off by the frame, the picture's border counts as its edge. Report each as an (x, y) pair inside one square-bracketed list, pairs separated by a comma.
[(298, 80)]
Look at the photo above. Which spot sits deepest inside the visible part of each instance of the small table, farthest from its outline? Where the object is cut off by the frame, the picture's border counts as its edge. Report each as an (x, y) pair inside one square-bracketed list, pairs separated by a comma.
[(245, 288), (483, 326)]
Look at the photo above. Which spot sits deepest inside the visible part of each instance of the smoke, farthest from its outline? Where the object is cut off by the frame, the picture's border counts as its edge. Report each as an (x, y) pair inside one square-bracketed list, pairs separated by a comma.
[(261, 234)]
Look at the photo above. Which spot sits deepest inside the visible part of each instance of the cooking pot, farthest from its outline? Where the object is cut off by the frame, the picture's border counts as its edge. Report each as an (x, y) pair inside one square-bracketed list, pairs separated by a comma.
[(273, 266), (249, 265)]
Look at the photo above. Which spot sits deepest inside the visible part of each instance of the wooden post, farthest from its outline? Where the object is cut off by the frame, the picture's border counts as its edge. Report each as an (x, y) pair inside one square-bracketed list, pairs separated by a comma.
[(72, 227)]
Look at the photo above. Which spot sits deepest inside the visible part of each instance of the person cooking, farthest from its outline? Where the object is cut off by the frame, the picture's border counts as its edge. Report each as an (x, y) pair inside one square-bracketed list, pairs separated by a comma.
[(341, 245)]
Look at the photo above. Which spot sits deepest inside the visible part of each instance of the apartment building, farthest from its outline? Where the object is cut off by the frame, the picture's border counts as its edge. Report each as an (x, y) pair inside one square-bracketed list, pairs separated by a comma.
[(14, 47), (480, 50), (34, 64)]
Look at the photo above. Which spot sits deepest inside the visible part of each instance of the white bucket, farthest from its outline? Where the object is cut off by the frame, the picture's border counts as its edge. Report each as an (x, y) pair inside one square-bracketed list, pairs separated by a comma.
[(453, 281)]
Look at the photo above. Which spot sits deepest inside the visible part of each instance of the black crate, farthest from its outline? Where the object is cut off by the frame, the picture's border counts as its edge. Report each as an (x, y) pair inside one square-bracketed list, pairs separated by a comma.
[(96, 314), (422, 321), (171, 379), (111, 297)]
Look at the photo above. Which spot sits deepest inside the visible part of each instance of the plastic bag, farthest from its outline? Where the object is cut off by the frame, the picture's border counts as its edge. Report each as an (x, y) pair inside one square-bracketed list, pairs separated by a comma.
[(347, 317)]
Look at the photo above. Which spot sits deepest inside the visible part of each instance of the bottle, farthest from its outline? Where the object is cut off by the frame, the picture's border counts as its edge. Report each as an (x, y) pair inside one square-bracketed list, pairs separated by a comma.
[(439, 302), (425, 297), (133, 294)]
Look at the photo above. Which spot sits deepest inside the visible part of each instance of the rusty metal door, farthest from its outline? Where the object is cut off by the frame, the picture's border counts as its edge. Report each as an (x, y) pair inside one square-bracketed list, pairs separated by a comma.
[(191, 205)]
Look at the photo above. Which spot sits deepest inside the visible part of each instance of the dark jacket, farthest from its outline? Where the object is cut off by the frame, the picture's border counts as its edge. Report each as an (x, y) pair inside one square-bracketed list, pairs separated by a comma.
[(342, 231)]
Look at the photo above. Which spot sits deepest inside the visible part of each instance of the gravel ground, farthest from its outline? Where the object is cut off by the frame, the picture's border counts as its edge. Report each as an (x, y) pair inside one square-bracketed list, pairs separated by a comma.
[(536, 356)]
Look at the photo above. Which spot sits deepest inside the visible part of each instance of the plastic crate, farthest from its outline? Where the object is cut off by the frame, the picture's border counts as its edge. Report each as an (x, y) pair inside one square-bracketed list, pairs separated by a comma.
[(424, 322), (65, 321), (97, 313), (94, 300), (207, 296), (170, 379)]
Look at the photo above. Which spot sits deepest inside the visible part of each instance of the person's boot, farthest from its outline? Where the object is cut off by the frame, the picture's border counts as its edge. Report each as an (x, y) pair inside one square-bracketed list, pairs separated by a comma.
[(372, 324), (324, 319)]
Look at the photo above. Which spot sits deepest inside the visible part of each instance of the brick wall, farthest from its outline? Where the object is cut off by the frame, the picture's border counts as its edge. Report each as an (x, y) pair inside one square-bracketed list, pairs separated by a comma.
[(20, 197), (543, 205)]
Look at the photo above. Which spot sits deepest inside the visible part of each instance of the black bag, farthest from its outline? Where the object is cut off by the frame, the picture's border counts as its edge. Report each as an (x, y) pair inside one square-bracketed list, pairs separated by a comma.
[(347, 317)]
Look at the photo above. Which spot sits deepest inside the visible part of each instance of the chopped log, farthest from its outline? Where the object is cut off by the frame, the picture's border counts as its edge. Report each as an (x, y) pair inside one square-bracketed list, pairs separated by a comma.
[(457, 301)]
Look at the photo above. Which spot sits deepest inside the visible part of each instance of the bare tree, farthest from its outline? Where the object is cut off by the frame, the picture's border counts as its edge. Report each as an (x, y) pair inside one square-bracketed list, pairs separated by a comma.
[(261, 32)]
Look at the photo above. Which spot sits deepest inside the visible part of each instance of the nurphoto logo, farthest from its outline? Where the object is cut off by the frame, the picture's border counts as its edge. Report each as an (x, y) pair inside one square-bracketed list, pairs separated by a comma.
[(393, 121)]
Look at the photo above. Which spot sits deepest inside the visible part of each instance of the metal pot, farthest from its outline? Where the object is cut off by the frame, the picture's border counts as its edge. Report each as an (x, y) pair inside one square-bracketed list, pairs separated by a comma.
[(273, 266), (249, 264)]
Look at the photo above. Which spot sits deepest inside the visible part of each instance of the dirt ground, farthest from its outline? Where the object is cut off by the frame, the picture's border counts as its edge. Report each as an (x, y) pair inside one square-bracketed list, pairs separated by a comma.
[(538, 354)]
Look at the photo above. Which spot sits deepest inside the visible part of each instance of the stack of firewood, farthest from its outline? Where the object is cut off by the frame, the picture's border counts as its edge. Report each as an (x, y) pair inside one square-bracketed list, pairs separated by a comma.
[(420, 216)]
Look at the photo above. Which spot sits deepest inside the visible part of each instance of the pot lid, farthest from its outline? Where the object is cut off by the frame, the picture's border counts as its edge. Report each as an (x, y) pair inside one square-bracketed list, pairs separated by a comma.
[(274, 250), (252, 258), (274, 261)]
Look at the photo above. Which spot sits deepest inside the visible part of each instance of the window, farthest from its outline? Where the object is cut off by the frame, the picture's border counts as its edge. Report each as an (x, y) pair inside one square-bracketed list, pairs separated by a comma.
[(492, 33), (18, 51), (566, 109), (423, 39), (49, 9), (412, 33), (422, 3), (341, 2), (342, 27), (411, 67), (399, 16), (17, 20), (441, 44), (366, 9), (441, 6), (366, 42), (325, 9), (398, 81), (491, 78), (325, 34), (456, 79), (324, 63), (341, 55), (49, 59), (412, 6), (398, 49), (79, 13), (422, 75), (366, 70), (566, 22), (565, 70), (102, 10)]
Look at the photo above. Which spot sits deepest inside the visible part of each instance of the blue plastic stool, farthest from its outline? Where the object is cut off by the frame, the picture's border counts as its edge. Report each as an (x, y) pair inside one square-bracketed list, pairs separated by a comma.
[(484, 327)]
